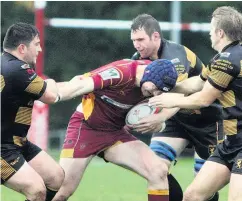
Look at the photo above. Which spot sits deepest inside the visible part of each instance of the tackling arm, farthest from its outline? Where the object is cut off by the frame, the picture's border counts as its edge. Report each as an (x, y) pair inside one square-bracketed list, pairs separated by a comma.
[(189, 86), (77, 86), (203, 98)]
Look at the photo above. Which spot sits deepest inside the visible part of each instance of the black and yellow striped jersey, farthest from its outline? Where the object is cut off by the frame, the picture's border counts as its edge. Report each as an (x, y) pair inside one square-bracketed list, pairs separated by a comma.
[(225, 74), (187, 65), (20, 86)]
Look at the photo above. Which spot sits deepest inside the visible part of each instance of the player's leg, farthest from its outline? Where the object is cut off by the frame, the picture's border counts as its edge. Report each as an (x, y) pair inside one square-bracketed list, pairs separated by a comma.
[(74, 169), (168, 145), (170, 148), (213, 176), (137, 156), (50, 171), (75, 156), (235, 185), (199, 162), (205, 139), (18, 175)]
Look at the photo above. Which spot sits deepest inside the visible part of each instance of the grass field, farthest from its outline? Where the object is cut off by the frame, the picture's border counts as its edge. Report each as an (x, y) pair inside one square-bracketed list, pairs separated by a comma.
[(106, 182)]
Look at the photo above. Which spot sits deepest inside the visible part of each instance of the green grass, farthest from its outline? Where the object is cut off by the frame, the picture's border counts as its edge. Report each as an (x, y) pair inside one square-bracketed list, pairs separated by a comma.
[(106, 182)]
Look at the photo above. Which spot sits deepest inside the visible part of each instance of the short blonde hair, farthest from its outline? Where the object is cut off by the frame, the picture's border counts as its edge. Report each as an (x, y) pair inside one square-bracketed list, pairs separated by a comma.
[(230, 21)]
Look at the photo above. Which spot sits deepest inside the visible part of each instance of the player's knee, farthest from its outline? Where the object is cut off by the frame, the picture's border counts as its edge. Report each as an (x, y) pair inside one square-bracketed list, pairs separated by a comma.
[(158, 172), (191, 195), (163, 150), (55, 179), (198, 165), (63, 195), (36, 192)]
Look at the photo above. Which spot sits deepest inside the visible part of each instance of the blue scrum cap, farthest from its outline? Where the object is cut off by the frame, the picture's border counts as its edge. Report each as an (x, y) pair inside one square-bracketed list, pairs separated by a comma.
[(162, 73)]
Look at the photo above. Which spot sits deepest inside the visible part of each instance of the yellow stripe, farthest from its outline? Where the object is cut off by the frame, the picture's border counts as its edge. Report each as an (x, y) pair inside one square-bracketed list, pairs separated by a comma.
[(220, 141), (35, 86), (67, 153), (227, 99), (158, 192), (230, 126), (6, 169), (20, 141), (191, 57), (240, 74), (88, 105), (182, 77), (220, 78), (24, 115), (2, 82), (205, 72)]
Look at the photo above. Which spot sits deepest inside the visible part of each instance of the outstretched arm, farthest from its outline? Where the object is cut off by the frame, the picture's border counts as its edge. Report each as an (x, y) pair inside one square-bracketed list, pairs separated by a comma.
[(77, 86), (203, 98), (189, 86)]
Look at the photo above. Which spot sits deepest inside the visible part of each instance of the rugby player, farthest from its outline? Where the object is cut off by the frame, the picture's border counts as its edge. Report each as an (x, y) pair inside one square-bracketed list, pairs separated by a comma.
[(97, 126), (199, 128), (25, 168), (222, 80)]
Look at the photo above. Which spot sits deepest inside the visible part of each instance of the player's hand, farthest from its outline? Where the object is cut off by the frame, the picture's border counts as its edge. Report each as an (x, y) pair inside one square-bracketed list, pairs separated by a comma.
[(165, 100), (149, 124)]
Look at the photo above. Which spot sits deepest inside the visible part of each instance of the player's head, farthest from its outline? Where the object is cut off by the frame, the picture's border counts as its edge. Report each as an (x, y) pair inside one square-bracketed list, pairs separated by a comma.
[(146, 35), (23, 39), (226, 24), (159, 76)]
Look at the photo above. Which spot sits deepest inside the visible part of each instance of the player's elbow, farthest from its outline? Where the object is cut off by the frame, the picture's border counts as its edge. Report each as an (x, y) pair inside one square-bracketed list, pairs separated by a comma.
[(49, 97), (204, 102)]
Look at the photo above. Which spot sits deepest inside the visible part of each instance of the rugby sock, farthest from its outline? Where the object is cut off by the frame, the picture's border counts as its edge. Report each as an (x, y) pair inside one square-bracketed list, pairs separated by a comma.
[(50, 194), (158, 195), (175, 190)]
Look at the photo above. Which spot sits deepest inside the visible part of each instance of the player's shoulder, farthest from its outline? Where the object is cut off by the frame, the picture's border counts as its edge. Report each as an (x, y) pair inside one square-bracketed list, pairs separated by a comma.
[(12, 65), (167, 44), (114, 70), (232, 54), (176, 50)]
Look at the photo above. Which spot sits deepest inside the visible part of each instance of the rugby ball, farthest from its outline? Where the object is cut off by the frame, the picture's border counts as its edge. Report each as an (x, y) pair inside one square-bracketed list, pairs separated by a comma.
[(140, 111)]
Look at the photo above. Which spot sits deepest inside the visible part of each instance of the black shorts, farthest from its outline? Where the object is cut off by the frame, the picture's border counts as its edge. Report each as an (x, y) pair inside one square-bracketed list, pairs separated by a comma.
[(230, 156), (203, 135), (14, 156)]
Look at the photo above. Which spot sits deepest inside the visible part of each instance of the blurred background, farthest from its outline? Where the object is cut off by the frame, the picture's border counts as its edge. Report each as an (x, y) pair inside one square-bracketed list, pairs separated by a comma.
[(72, 51)]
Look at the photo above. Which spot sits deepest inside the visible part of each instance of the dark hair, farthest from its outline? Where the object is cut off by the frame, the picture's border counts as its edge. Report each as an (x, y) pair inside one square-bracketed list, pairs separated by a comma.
[(19, 33), (148, 23)]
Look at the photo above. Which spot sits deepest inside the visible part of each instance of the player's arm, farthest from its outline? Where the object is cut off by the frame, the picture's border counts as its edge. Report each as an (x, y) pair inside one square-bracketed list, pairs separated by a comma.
[(154, 123), (77, 86), (197, 100), (50, 94), (189, 86), (26, 81), (204, 98), (221, 74)]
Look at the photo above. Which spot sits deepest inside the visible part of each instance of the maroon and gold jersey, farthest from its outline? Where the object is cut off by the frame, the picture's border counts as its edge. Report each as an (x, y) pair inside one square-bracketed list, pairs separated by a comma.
[(114, 94)]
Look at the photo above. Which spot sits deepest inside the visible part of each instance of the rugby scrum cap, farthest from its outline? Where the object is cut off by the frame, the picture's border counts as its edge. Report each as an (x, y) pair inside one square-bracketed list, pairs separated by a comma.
[(162, 73)]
